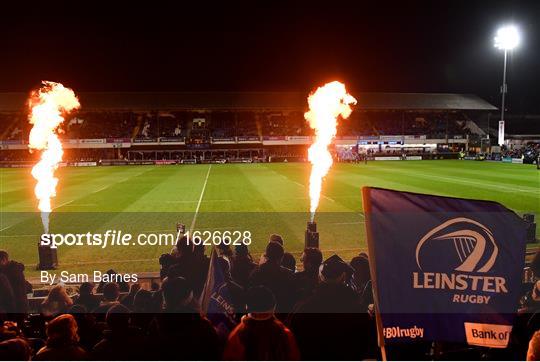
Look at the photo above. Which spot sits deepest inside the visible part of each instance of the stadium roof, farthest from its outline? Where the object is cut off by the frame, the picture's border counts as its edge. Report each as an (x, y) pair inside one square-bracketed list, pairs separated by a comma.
[(144, 101)]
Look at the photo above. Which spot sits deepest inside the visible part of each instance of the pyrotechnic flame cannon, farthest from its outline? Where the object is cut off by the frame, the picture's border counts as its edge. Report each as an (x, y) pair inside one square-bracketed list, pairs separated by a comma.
[(48, 107), (312, 235), (48, 257)]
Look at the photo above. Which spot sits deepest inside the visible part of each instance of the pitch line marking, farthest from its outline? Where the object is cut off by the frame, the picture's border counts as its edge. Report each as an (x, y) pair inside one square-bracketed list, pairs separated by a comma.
[(304, 186), (64, 204), (194, 201), (200, 200)]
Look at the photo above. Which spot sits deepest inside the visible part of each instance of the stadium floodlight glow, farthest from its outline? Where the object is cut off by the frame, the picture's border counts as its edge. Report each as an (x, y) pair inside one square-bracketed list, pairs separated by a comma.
[(507, 38)]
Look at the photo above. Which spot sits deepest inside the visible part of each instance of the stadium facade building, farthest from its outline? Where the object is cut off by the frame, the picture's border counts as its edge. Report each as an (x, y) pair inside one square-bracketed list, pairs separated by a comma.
[(204, 126)]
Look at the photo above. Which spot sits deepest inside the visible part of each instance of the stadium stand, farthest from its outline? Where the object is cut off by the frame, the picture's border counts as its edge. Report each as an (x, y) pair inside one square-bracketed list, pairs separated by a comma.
[(260, 126)]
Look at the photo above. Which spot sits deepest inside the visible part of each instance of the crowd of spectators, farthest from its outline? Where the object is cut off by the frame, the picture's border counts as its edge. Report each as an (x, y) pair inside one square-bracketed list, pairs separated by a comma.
[(531, 150), (280, 313), (225, 124), (283, 310)]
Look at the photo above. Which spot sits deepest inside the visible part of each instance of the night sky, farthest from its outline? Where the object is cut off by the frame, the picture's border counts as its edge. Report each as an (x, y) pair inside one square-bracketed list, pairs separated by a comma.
[(434, 46)]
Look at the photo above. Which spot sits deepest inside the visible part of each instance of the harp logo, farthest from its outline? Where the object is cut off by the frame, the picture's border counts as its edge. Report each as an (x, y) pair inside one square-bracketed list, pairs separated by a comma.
[(458, 256), (473, 244)]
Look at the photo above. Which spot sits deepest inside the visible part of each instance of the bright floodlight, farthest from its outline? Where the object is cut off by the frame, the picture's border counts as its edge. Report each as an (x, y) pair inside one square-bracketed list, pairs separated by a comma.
[(507, 38)]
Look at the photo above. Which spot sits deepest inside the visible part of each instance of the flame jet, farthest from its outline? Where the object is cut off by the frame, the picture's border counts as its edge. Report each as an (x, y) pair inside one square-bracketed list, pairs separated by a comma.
[(48, 105), (326, 104)]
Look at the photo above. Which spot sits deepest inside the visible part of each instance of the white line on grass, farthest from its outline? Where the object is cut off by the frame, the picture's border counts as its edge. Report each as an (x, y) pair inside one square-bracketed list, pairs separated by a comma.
[(200, 200), (304, 186), (64, 204), (194, 201)]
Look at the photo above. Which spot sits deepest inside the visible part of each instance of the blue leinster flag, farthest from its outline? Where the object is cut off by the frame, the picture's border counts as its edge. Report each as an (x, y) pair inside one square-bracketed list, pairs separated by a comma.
[(444, 269), (216, 302)]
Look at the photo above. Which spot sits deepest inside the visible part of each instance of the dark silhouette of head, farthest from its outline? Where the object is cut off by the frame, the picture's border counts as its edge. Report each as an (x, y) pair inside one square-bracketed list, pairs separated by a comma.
[(312, 259), (276, 238), (143, 301), (117, 318), (260, 300), (360, 264), (177, 292), (241, 250), (62, 330), (111, 292), (335, 270), (16, 349), (4, 258), (288, 261), (77, 309), (86, 288), (274, 252)]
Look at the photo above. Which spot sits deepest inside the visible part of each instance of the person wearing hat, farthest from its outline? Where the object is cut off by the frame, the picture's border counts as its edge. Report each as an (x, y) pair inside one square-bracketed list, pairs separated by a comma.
[(275, 277), (260, 336), (329, 323)]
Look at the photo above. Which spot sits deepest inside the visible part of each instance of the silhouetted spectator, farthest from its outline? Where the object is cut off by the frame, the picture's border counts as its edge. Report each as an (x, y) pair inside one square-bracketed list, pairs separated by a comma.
[(275, 277), (7, 298), (88, 330), (128, 299), (111, 293), (276, 238), (535, 265), (143, 309), (242, 265), (361, 280), (122, 286), (86, 297), (62, 341), (261, 336), (180, 332), (57, 302), (289, 262), (189, 265), (235, 290), (14, 273), (533, 353), (306, 280), (120, 340), (16, 349), (329, 324)]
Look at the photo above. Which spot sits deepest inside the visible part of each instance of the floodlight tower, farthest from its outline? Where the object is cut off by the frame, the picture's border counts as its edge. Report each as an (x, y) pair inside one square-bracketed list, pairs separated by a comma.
[(507, 38)]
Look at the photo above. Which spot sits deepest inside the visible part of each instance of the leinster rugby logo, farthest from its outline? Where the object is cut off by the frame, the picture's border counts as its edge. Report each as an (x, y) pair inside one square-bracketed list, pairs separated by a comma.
[(470, 242), (458, 256)]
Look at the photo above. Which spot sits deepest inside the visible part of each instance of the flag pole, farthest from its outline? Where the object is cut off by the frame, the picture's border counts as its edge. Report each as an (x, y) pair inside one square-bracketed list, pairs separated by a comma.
[(205, 296), (366, 202)]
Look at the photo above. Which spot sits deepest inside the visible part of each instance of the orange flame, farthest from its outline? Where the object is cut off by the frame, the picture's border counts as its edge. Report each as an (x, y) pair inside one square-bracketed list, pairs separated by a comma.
[(326, 104), (47, 107)]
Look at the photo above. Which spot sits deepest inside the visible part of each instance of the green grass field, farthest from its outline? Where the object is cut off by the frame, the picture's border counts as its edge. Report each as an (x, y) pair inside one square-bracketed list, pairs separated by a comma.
[(260, 198)]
